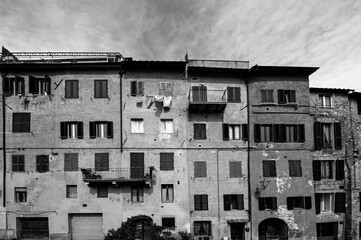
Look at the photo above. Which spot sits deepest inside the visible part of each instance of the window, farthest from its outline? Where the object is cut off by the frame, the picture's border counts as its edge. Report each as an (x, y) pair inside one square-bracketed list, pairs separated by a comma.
[(200, 131), (102, 191), (328, 170), (42, 163), (41, 86), (167, 161), (200, 202), (168, 222), (166, 126), (71, 191), (202, 228), (71, 130), (359, 107), (269, 168), (20, 194), (165, 89), (279, 132), (267, 96), (330, 202), (233, 202), (137, 125), (200, 169), (327, 135), (100, 88), (235, 169), (70, 161), (234, 94), (100, 130), (71, 89), (167, 193), (18, 163), (327, 230), (325, 100), (295, 168), (14, 86), (136, 88), (21, 122), (267, 203), (137, 194), (231, 131), (101, 161), (286, 96), (299, 202)]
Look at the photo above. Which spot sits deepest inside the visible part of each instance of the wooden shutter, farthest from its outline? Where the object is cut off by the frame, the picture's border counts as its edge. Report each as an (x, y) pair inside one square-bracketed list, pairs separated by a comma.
[(235, 169), (340, 170), (75, 88), (71, 162), (97, 88), (240, 202), (316, 170), (292, 96), (80, 130), (200, 169), (257, 132), (110, 129), (101, 161), (162, 88), (63, 132), (7, 86), (338, 138), (25, 122), (359, 111), (204, 202), (203, 131), (308, 203), (290, 203), (68, 91), (237, 94), (269, 168), (167, 161), (283, 132), (133, 88), (245, 132), (227, 202), (225, 131), (291, 165), (261, 204), (277, 132), (281, 96), (318, 202), (272, 168), (136, 165), (274, 203), (197, 202), (140, 88), (340, 202), (92, 130), (197, 131), (231, 97), (301, 132), (318, 135), (48, 81)]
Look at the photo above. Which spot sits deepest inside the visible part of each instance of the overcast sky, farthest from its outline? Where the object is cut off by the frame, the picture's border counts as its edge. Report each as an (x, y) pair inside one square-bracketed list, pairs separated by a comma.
[(316, 33)]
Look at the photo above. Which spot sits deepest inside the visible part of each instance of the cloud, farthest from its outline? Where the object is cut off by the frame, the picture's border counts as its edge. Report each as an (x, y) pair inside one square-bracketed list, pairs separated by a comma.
[(274, 32)]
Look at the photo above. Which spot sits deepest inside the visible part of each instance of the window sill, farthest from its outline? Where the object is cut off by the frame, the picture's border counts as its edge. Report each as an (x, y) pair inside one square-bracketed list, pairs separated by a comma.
[(168, 202)]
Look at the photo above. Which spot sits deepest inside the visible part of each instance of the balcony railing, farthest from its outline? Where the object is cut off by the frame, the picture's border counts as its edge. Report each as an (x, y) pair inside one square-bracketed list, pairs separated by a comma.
[(203, 100), (118, 175)]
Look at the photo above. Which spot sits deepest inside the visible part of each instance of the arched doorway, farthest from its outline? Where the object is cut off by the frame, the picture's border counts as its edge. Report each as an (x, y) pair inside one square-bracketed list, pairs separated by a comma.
[(273, 228)]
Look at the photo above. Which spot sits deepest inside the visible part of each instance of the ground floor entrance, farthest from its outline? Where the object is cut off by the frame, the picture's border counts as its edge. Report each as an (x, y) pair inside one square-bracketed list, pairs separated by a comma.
[(86, 226), (273, 229), (32, 228), (237, 231)]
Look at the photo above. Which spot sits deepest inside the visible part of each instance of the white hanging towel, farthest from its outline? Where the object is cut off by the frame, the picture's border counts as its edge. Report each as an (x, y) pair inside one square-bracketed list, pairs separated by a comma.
[(167, 101), (149, 100), (158, 98)]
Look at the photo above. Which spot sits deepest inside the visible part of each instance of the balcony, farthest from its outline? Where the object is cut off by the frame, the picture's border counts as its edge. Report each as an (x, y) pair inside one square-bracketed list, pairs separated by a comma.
[(202, 100), (117, 176)]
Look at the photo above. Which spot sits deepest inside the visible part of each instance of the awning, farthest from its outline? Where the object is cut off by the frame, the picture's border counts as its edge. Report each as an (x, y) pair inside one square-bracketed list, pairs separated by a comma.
[(237, 220)]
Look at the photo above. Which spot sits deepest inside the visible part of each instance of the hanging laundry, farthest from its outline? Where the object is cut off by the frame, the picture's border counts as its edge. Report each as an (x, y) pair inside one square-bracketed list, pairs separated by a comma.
[(167, 101), (158, 98), (149, 101)]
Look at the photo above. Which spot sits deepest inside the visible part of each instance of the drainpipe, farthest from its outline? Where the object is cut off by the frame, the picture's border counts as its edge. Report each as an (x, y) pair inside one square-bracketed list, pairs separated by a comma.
[(248, 158), (121, 108), (4, 139), (218, 201)]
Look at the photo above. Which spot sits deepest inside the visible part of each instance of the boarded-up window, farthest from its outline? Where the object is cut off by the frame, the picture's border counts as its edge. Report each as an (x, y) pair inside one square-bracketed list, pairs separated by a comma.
[(269, 168), (235, 169), (295, 168), (136, 88), (200, 202), (18, 163), (70, 161), (21, 122), (200, 169), (200, 132), (167, 161), (233, 202), (101, 161), (102, 191), (71, 89), (100, 88), (234, 94), (42, 163)]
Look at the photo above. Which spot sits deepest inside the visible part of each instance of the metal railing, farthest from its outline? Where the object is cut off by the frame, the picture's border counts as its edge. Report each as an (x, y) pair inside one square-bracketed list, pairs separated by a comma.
[(133, 173), (207, 96)]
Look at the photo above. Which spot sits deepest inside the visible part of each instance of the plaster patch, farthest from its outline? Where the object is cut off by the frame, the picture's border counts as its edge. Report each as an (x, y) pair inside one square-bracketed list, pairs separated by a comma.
[(310, 183), (282, 183), (288, 217), (271, 155)]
